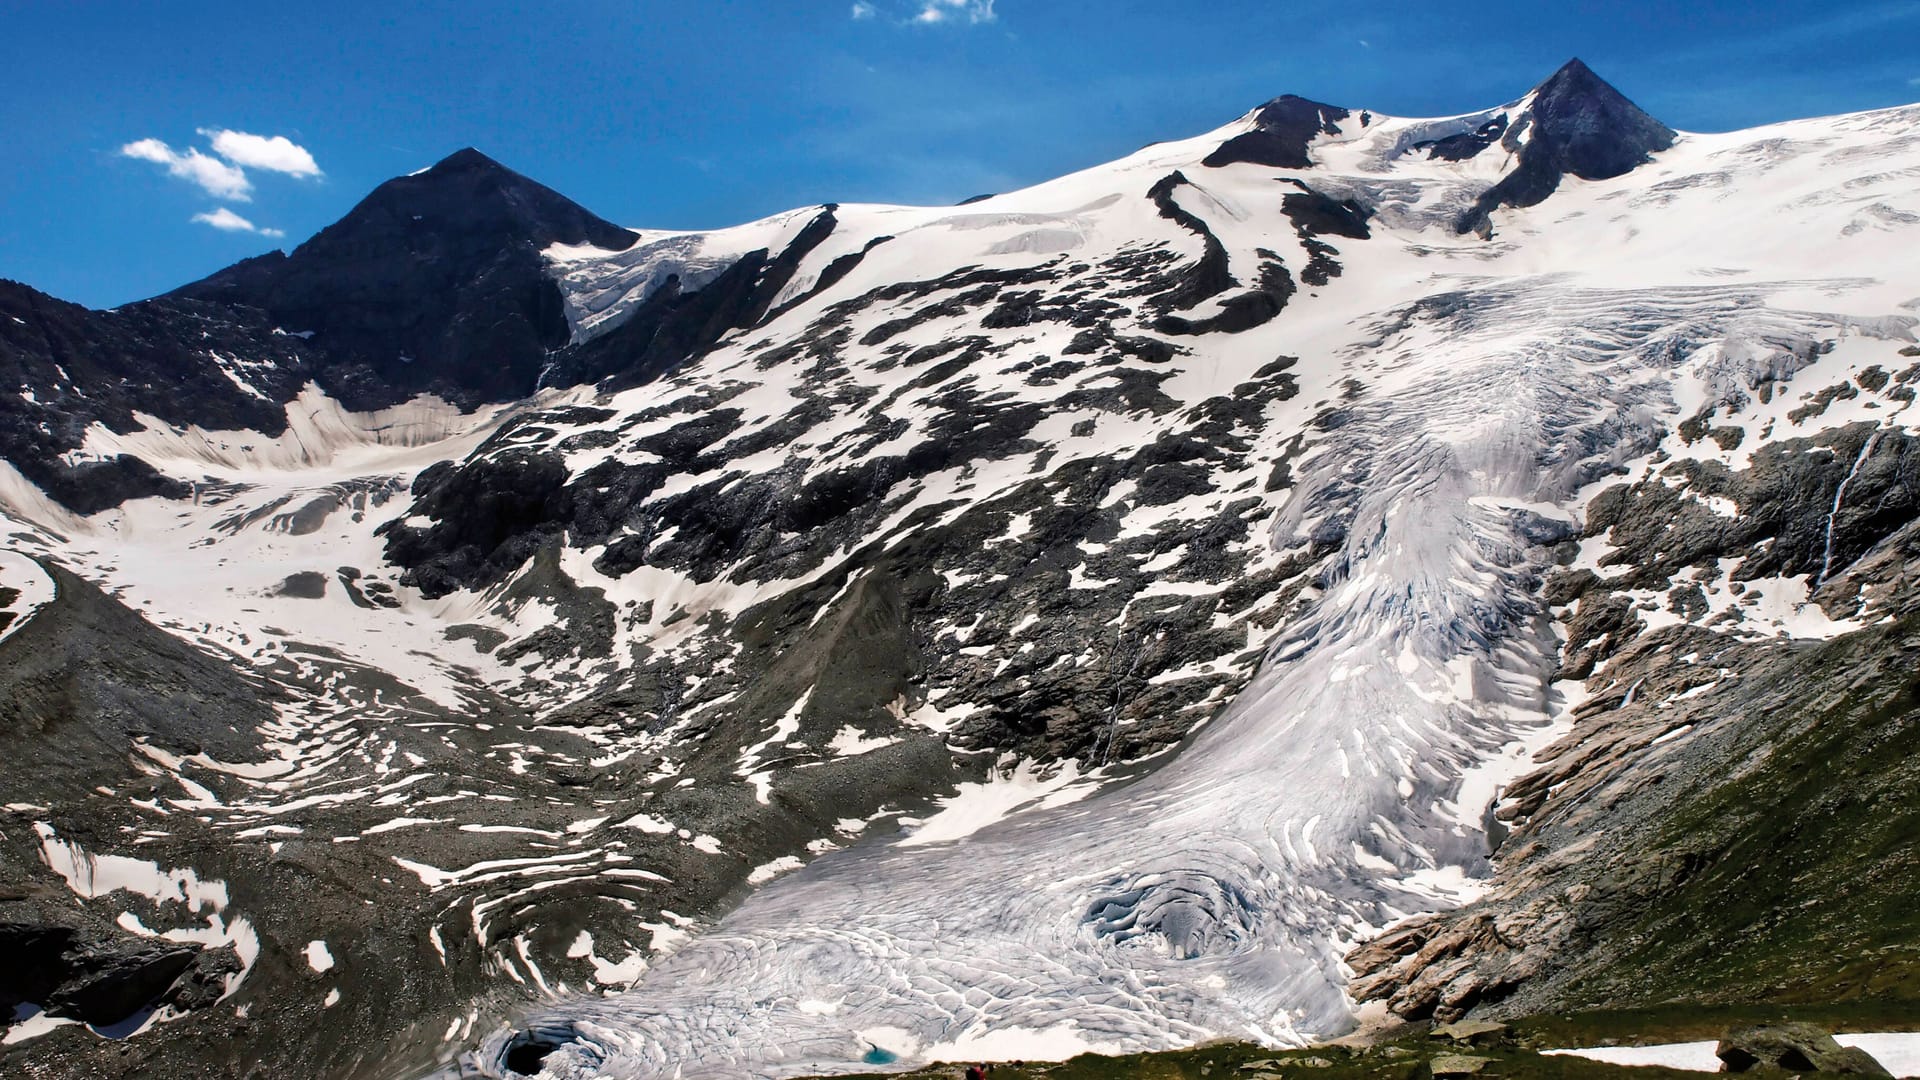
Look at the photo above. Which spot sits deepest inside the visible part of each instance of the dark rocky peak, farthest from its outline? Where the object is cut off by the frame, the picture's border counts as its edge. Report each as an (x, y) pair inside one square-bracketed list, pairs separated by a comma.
[(434, 283), (1283, 129), (465, 199), (1590, 129), (1575, 123)]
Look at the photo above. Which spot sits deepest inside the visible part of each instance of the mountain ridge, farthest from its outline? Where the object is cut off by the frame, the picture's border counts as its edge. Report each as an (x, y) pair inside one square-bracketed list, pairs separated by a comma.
[(385, 304)]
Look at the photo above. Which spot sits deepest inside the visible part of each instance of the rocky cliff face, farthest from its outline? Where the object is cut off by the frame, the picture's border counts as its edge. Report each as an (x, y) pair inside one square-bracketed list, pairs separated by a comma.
[(459, 641), (1730, 817), (73, 368)]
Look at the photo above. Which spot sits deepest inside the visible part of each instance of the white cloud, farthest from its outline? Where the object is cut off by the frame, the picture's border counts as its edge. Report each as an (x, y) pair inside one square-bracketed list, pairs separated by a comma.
[(970, 11), (275, 153), (217, 178), (227, 221), (926, 12), (227, 179)]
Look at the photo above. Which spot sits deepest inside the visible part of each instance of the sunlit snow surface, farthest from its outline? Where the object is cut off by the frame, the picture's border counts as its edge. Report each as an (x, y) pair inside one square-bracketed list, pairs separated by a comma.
[(27, 589)]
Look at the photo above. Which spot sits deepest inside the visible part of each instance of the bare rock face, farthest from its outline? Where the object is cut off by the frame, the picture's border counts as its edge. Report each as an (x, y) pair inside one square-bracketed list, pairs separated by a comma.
[(1577, 125), (434, 283), (1436, 968), (70, 368), (109, 982), (75, 966)]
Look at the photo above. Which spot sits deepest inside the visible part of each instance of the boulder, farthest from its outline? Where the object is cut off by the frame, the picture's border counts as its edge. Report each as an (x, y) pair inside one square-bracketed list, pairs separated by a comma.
[(204, 980), (1799, 1048), (111, 980), (1456, 1065), (1471, 1032)]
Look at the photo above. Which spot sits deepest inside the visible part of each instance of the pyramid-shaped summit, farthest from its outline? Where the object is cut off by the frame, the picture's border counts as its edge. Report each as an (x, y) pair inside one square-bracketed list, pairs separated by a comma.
[(1591, 129), (390, 291), (473, 197), (1575, 123)]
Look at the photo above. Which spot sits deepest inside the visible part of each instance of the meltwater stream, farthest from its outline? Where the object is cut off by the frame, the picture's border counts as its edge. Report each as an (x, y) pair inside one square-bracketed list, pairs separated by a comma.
[(1214, 897)]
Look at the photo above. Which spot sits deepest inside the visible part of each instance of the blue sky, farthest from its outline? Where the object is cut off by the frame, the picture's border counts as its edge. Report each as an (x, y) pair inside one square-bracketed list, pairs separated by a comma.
[(711, 112)]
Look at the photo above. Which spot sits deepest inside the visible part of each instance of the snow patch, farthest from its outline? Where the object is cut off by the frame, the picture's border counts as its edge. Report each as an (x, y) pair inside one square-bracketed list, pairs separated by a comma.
[(1005, 792), (766, 872), (1899, 1051), (319, 958)]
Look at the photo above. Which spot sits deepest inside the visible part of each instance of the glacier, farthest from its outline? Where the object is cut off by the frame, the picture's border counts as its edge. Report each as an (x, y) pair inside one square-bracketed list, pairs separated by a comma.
[(1215, 896)]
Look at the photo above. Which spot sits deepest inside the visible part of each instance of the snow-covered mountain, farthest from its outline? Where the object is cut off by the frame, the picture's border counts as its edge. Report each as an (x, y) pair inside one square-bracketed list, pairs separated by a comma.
[(487, 638)]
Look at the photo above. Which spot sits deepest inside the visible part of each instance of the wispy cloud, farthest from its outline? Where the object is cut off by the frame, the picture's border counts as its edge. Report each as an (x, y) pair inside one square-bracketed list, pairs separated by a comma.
[(942, 11), (227, 221), (217, 178), (275, 153), (928, 12)]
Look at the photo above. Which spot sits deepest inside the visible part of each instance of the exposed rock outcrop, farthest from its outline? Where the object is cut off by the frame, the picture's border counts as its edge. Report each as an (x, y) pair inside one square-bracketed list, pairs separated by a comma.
[(1710, 828), (434, 283), (1575, 125), (1798, 1048), (1283, 130)]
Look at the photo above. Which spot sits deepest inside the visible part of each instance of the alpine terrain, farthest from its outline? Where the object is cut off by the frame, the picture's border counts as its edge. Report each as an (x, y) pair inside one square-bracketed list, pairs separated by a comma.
[(1333, 566)]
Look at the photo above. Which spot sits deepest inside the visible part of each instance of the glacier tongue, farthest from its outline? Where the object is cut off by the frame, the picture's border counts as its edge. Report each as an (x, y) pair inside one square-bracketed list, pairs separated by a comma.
[(1209, 899)]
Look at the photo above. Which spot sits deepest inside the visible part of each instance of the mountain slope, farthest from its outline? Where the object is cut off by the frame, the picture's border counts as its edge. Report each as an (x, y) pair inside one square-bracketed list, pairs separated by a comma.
[(1072, 619), (72, 368), (1732, 816), (432, 296)]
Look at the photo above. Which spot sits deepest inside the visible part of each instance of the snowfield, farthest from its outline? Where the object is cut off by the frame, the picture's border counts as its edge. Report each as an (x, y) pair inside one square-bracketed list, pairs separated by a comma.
[(27, 589), (1899, 1051)]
